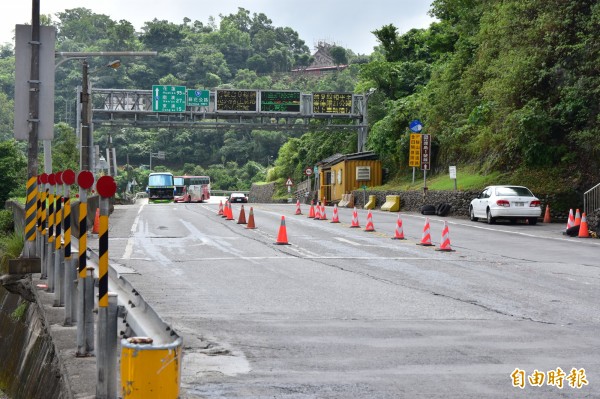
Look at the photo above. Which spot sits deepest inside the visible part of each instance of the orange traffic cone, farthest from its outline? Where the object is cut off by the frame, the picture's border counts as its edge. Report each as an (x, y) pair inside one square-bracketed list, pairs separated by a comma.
[(354, 219), (251, 224), (225, 209), (298, 210), (311, 212), (318, 212), (577, 218), (570, 221), (323, 214), (229, 213), (369, 226), (426, 238), (445, 245), (399, 233), (96, 227), (242, 217), (583, 227), (547, 218), (336, 217), (220, 208), (282, 236)]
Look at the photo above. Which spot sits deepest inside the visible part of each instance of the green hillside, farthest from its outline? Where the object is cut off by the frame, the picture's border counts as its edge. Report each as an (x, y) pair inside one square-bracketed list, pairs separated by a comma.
[(509, 91)]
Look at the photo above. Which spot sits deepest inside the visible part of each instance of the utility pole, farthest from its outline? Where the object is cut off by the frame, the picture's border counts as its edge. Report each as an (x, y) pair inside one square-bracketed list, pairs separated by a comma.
[(85, 119), (86, 161), (34, 109)]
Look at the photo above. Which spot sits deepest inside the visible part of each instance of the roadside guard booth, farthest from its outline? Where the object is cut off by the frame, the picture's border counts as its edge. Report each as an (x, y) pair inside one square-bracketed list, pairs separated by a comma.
[(340, 174)]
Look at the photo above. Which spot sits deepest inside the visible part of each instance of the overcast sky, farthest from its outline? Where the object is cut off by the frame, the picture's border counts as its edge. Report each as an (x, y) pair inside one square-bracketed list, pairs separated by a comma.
[(348, 23)]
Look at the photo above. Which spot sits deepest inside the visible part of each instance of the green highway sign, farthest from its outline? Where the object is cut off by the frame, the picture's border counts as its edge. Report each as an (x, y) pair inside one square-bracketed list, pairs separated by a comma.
[(198, 98), (168, 98)]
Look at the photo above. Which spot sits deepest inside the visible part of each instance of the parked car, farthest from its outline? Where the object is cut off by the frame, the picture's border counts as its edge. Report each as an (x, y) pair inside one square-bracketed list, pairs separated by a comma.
[(506, 202), (238, 197)]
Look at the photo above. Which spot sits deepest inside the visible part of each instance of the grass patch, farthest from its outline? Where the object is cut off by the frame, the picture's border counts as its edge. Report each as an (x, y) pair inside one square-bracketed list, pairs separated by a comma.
[(467, 179), (19, 312), (11, 246), (547, 180)]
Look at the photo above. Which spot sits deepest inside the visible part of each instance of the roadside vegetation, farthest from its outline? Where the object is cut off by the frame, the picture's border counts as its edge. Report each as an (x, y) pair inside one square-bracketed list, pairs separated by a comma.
[(11, 243)]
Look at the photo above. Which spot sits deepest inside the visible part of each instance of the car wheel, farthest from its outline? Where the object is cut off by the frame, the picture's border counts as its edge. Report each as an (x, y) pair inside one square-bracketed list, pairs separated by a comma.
[(490, 219), (472, 215), (532, 221), (189, 199)]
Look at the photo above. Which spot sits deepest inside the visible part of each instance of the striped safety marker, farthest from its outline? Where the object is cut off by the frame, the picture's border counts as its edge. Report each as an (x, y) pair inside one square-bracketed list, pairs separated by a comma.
[(30, 209)]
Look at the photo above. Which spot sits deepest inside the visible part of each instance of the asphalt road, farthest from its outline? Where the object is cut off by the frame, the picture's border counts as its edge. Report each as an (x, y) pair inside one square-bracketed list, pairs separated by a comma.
[(345, 313)]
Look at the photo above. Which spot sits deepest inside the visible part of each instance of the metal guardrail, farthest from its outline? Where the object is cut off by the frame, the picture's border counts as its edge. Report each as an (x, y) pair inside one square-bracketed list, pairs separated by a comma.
[(591, 199), (227, 193)]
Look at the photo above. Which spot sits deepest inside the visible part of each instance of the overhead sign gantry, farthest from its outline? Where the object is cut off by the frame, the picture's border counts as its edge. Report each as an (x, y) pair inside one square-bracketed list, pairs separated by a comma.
[(177, 106)]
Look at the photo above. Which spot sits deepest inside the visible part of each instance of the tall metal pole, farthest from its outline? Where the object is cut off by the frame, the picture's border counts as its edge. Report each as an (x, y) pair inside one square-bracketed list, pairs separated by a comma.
[(34, 109), (85, 119)]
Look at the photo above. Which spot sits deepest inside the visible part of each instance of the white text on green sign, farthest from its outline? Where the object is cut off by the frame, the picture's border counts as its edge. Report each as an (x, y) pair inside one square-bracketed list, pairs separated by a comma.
[(168, 98), (198, 98)]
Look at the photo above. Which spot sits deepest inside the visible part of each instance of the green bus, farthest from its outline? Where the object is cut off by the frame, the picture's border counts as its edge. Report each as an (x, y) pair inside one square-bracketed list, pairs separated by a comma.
[(161, 187)]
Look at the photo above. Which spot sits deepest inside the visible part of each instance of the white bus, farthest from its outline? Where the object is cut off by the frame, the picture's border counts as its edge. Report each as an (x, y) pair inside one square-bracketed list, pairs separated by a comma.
[(195, 188)]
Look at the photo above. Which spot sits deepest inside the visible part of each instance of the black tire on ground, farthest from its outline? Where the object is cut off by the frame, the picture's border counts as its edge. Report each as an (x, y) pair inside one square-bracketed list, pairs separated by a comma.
[(572, 231), (438, 207), (428, 210), (533, 221), (444, 209)]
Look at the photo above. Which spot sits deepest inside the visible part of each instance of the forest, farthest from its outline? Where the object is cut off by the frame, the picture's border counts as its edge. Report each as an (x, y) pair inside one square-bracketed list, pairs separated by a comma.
[(507, 86)]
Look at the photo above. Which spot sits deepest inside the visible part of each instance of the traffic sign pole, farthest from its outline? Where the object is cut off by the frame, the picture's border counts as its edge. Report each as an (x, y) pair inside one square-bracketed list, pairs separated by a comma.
[(50, 257), (58, 249), (85, 298), (106, 187), (44, 189)]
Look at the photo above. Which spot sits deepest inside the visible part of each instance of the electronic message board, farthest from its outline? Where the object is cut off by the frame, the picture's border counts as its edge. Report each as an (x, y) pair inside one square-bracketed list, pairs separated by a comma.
[(332, 103), (236, 100), (280, 101)]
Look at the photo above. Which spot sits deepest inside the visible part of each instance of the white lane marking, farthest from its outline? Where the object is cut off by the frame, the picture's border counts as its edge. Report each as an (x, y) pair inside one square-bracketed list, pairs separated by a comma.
[(347, 241), (313, 257), (129, 246), (500, 230)]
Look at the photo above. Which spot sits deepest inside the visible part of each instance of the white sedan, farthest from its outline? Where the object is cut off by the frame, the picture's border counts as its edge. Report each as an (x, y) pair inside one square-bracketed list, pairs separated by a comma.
[(506, 202)]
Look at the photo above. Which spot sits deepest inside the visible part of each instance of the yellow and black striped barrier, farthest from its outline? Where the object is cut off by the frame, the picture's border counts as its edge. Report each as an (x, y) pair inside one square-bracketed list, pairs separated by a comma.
[(103, 261), (43, 199), (85, 180), (57, 218), (106, 187), (52, 182), (68, 177), (30, 208), (85, 287)]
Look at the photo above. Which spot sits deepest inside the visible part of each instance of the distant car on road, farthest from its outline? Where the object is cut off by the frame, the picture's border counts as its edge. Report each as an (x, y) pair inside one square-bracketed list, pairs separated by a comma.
[(238, 197), (506, 202)]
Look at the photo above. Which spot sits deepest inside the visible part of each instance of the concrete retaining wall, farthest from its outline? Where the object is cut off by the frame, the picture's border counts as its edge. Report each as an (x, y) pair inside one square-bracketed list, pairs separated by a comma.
[(30, 366), (261, 193), (412, 201)]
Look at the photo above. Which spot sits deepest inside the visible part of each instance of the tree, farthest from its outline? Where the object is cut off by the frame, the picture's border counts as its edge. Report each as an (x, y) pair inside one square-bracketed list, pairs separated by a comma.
[(339, 55), (65, 154), (12, 169)]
